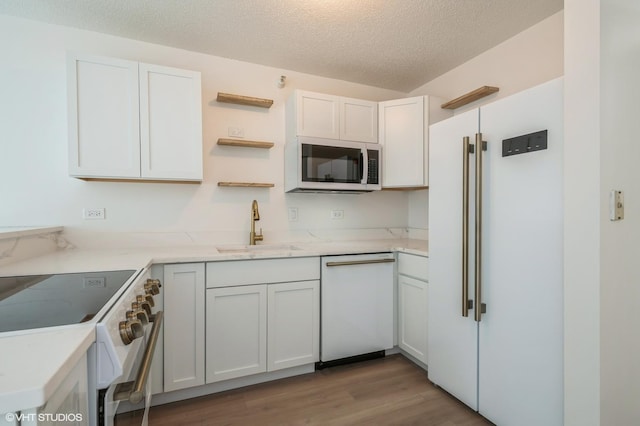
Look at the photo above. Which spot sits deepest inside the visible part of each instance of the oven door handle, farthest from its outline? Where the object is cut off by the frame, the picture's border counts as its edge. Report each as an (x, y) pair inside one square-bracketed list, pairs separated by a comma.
[(134, 391)]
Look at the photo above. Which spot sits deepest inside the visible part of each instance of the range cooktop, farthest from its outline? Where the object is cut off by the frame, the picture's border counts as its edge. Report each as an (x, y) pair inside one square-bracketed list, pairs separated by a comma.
[(37, 301)]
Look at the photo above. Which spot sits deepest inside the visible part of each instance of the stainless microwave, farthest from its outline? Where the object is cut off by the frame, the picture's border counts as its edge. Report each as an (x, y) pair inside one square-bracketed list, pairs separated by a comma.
[(325, 165)]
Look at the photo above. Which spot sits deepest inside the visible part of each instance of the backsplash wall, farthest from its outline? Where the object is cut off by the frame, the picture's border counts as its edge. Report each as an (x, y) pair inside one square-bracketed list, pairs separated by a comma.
[(36, 188)]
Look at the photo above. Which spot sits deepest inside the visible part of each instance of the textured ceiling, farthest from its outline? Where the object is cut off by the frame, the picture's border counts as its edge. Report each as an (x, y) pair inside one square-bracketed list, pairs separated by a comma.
[(393, 44)]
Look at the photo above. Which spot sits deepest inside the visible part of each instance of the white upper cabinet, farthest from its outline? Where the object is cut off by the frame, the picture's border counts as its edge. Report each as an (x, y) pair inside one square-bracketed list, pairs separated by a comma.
[(104, 126), (170, 123), (358, 120), (319, 115), (129, 120), (404, 134)]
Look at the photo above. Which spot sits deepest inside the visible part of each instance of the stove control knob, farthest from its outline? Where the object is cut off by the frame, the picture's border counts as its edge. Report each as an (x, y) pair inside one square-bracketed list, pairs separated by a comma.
[(141, 305), (153, 282), (146, 298), (152, 289), (139, 315), (130, 330)]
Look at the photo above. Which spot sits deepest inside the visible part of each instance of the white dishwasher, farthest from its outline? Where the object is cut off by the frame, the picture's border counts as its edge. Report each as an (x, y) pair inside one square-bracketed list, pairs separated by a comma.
[(356, 306)]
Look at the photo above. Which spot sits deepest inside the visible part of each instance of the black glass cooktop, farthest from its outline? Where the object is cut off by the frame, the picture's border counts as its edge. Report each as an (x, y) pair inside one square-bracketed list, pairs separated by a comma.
[(36, 301)]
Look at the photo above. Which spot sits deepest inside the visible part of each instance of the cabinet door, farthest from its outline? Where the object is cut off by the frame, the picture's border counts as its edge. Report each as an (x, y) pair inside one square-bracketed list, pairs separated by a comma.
[(293, 324), (170, 123), (104, 138), (71, 398), (358, 120), (317, 115), (236, 332), (184, 317), (402, 134), (412, 317)]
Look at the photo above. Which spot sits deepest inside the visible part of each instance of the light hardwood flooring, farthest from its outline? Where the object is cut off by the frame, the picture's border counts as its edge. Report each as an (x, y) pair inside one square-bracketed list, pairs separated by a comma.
[(387, 391)]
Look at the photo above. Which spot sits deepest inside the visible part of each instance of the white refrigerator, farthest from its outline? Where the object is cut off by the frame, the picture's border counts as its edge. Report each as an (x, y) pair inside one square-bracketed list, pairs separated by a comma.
[(495, 242)]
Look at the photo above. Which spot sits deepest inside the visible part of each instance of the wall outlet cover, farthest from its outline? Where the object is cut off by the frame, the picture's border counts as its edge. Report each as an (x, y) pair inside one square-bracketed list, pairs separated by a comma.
[(236, 132), (94, 214), (293, 214)]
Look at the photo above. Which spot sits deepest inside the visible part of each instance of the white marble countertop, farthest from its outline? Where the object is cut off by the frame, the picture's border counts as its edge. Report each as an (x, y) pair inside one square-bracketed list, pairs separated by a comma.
[(84, 260), (25, 231), (33, 364)]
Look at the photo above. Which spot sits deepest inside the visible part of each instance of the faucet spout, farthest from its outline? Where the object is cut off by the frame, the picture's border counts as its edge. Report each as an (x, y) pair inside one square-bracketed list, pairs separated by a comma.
[(255, 215)]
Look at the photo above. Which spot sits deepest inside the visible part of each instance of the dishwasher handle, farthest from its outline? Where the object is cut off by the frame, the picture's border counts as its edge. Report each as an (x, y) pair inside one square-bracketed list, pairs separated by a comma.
[(359, 262)]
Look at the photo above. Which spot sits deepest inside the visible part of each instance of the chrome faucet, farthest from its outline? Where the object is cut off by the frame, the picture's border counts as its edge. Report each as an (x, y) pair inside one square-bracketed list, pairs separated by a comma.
[(255, 215)]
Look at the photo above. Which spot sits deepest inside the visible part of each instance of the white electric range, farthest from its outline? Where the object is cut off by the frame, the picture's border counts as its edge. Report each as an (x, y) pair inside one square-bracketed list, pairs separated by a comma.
[(119, 303)]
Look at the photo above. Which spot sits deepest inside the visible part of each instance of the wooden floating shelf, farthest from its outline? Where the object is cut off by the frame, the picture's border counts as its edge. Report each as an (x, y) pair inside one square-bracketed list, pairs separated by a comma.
[(244, 100), (470, 97), (246, 184), (245, 143)]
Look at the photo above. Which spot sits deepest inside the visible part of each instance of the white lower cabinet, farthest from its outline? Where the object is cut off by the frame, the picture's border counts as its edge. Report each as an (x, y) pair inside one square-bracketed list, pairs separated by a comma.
[(236, 332), (258, 328), (412, 305), (264, 319), (184, 321), (68, 405), (293, 324)]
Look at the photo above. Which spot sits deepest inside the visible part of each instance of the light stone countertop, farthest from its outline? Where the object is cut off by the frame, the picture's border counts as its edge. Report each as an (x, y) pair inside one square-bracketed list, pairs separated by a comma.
[(25, 231), (85, 260), (34, 363)]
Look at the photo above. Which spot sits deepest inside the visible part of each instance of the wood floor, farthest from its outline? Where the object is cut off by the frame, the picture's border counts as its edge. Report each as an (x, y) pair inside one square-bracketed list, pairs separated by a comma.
[(388, 391)]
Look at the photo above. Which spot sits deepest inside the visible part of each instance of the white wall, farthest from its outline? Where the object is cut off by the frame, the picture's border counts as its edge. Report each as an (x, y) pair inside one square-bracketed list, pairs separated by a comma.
[(527, 59), (582, 213), (602, 345), (530, 58), (619, 155), (36, 189), (34, 183)]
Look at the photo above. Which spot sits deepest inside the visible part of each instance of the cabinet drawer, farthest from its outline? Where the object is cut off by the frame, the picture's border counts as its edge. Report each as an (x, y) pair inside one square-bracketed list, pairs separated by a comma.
[(413, 266), (262, 271)]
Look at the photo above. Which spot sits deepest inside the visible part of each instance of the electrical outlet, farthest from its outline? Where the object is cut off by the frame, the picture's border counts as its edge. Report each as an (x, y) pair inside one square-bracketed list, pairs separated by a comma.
[(293, 214), (95, 282), (236, 132), (93, 214), (337, 214)]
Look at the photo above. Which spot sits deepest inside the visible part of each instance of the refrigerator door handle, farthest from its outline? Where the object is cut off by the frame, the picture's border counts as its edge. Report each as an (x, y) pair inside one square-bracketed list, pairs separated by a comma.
[(466, 151), (481, 146)]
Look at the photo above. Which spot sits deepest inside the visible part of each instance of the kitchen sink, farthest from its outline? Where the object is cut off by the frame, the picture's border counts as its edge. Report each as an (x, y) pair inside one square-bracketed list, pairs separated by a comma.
[(257, 248)]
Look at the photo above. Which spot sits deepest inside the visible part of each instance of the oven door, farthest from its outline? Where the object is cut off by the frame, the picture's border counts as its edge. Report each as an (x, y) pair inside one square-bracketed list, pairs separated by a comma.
[(134, 385)]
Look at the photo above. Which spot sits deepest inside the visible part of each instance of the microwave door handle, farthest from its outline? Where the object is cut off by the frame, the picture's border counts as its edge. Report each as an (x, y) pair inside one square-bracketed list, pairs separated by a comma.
[(364, 167)]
